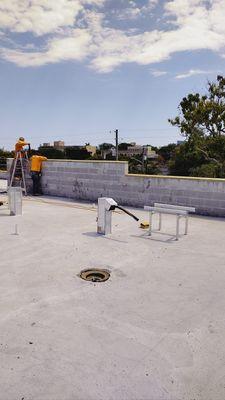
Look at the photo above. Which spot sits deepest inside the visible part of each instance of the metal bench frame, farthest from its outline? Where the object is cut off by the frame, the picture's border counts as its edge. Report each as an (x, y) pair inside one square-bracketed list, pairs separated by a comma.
[(179, 211)]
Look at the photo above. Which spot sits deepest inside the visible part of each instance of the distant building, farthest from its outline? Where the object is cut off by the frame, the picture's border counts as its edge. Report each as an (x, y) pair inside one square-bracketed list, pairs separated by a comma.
[(138, 150), (91, 149), (132, 151), (149, 153), (60, 145)]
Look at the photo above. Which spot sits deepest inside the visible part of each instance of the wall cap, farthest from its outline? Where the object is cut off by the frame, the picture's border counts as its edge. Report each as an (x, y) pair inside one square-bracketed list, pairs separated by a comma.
[(87, 161), (190, 178)]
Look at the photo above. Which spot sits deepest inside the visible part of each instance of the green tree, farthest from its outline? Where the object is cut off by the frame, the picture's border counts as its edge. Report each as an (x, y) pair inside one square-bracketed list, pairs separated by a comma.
[(123, 146), (202, 122), (105, 146), (184, 159), (166, 152), (209, 170), (203, 115), (76, 153), (51, 153), (4, 154)]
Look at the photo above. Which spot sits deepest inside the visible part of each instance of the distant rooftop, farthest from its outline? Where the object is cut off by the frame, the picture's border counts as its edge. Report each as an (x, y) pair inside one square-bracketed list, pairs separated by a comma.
[(153, 331)]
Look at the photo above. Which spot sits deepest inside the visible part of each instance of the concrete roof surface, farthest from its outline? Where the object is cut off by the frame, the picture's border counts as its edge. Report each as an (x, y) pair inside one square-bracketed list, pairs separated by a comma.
[(153, 331)]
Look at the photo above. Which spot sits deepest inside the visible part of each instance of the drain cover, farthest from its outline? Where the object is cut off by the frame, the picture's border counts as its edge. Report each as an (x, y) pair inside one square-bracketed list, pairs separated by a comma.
[(95, 275)]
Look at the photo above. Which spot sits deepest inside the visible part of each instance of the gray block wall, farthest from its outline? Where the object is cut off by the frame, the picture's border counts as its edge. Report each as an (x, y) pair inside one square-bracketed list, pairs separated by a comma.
[(3, 175), (88, 180)]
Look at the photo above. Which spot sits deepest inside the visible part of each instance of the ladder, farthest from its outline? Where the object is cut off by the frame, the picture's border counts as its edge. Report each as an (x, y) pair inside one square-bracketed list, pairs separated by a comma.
[(18, 169)]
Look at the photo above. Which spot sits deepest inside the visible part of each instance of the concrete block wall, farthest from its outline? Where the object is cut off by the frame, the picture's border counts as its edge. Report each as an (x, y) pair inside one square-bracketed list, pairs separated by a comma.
[(88, 180), (3, 175), (82, 180)]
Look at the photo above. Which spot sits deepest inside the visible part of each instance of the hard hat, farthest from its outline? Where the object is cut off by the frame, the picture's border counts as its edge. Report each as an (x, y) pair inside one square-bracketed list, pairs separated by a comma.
[(21, 139)]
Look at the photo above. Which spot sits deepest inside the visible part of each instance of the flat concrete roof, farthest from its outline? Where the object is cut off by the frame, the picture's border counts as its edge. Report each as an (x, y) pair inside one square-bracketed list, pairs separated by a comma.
[(153, 331)]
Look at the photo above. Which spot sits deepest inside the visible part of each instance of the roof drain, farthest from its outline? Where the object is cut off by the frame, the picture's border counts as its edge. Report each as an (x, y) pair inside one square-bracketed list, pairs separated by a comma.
[(95, 275)]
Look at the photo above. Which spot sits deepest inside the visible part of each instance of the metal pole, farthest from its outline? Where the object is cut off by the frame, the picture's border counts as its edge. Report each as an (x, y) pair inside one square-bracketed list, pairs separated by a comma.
[(177, 229), (23, 176), (16, 230), (117, 141), (13, 170), (150, 223), (160, 221), (186, 225), (144, 162)]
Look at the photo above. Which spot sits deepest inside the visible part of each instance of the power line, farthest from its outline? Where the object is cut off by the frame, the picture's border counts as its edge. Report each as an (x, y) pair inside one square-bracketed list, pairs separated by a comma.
[(147, 129), (101, 133), (85, 136)]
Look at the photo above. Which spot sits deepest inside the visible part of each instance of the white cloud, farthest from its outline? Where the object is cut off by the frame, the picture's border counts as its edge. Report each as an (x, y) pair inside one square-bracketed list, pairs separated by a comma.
[(193, 72), (75, 47), (38, 16), (129, 13), (78, 30), (41, 16), (157, 73)]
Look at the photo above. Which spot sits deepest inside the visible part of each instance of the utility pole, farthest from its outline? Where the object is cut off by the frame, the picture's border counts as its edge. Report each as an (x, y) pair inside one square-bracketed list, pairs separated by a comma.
[(117, 141)]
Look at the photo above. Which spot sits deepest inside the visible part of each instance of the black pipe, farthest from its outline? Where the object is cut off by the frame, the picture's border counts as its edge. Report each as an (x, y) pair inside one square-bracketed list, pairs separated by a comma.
[(112, 208)]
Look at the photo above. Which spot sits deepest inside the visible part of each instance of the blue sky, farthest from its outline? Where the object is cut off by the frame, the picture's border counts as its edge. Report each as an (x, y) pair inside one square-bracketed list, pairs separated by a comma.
[(77, 69)]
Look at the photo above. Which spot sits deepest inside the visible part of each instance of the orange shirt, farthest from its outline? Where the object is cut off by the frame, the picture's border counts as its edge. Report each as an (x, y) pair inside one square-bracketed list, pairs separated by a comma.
[(36, 163)]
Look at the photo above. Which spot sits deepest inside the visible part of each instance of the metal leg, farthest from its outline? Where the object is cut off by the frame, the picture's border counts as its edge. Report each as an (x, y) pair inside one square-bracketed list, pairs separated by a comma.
[(23, 176), (160, 221), (150, 223), (177, 228), (186, 225), (13, 170)]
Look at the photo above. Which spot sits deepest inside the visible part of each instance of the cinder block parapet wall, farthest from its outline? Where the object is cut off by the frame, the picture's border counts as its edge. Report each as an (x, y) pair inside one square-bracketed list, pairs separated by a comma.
[(88, 180), (3, 175)]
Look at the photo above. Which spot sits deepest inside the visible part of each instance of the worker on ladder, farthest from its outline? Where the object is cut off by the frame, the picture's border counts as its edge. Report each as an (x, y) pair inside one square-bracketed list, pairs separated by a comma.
[(20, 164), (20, 147), (35, 171)]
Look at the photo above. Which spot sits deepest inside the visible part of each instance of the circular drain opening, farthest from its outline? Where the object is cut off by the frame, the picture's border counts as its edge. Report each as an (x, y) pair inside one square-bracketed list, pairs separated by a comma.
[(95, 275)]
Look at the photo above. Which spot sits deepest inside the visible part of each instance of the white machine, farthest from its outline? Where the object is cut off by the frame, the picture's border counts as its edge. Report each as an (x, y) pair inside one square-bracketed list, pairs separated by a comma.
[(106, 206), (104, 221)]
